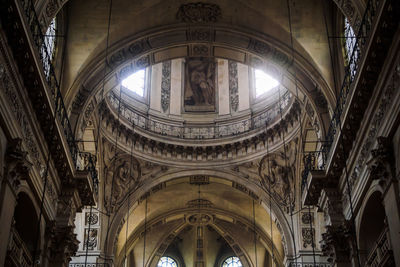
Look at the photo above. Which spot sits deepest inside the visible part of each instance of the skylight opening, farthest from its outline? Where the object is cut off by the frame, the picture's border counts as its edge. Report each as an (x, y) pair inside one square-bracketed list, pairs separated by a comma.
[(263, 82), (135, 82)]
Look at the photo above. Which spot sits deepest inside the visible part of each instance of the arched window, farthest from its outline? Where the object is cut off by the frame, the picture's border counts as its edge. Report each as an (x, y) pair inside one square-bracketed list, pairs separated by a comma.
[(135, 82), (48, 47), (232, 262), (263, 82), (167, 262), (351, 50)]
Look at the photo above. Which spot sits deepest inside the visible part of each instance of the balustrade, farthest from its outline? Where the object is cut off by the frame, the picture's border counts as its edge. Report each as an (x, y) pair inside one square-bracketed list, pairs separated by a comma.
[(182, 131)]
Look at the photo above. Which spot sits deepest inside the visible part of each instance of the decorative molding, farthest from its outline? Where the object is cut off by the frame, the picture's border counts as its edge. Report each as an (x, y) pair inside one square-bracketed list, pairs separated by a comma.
[(166, 85), (277, 173), (199, 179), (233, 85), (199, 12), (380, 113), (199, 203), (336, 242), (17, 164), (308, 235)]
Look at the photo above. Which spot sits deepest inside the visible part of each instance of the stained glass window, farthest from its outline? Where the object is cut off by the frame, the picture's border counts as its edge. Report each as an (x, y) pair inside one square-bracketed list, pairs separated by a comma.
[(232, 262), (167, 262)]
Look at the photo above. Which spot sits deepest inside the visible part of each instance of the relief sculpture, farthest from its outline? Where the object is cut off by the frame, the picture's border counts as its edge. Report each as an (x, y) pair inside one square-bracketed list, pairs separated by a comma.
[(122, 173), (199, 85), (277, 173)]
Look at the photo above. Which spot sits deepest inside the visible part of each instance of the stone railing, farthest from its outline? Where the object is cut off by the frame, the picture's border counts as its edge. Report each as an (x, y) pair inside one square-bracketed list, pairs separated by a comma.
[(18, 253), (382, 252), (182, 131)]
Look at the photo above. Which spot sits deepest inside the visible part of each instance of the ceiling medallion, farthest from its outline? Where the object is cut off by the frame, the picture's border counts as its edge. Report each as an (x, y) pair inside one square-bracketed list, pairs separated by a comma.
[(199, 12)]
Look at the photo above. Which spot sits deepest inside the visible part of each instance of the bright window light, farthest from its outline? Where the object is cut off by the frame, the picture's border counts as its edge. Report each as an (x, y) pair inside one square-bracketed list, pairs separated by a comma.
[(167, 262), (232, 262), (264, 82), (135, 82)]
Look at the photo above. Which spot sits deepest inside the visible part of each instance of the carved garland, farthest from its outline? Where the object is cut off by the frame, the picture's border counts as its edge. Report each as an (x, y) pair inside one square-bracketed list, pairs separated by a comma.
[(233, 85), (165, 85)]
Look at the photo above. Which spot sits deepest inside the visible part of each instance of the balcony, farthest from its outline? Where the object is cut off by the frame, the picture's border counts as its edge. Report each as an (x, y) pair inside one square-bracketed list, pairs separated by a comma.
[(26, 39), (381, 255), (372, 44), (18, 254)]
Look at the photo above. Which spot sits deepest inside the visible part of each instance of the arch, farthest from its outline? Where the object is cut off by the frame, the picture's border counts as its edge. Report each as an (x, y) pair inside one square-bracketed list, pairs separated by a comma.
[(277, 213), (25, 221), (372, 222), (181, 225), (256, 50)]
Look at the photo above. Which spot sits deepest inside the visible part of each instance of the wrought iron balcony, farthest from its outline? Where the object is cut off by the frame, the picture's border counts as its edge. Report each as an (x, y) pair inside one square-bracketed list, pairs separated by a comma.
[(25, 36), (373, 39)]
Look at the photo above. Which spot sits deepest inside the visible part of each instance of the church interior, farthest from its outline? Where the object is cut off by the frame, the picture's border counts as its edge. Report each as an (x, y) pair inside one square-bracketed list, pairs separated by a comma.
[(220, 133)]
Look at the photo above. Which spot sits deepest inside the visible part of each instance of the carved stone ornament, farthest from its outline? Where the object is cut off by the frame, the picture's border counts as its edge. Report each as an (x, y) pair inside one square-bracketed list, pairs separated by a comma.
[(91, 218), (307, 218), (122, 173), (199, 219), (233, 85), (199, 12), (17, 164), (335, 243), (90, 241), (308, 236), (277, 173), (381, 162), (166, 85), (199, 203), (64, 244)]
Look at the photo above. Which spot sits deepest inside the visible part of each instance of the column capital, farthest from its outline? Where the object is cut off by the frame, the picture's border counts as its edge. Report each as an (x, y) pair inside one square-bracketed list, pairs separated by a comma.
[(336, 243), (380, 165), (17, 163)]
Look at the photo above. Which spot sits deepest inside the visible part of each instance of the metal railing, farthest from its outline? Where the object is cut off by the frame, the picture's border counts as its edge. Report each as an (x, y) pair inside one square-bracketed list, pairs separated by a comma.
[(50, 75), (182, 131), (314, 160), (351, 72), (53, 85), (310, 264), (87, 162), (82, 264)]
